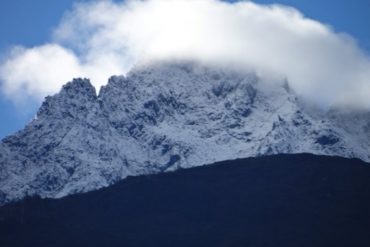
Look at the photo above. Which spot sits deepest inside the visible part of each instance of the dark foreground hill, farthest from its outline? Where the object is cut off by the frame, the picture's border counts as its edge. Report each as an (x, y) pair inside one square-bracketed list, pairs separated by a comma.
[(284, 200)]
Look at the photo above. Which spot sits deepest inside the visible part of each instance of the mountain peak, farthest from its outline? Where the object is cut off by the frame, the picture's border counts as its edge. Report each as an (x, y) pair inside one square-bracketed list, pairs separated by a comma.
[(162, 117), (79, 86), (73, 97)]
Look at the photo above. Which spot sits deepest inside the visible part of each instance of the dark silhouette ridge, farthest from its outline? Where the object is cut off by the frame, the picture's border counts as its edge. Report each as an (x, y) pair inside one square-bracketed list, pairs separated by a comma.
[(282, 200)]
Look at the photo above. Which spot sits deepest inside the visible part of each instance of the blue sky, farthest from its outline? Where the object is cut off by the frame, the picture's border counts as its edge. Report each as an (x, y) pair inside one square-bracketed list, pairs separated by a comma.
[(29, 23)]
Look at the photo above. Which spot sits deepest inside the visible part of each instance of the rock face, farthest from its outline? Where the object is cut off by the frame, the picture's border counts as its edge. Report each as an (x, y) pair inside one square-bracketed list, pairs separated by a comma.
[(165, 117)]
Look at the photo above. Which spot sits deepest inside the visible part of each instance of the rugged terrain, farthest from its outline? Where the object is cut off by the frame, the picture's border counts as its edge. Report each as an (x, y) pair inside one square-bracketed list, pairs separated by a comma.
[(163, 117)]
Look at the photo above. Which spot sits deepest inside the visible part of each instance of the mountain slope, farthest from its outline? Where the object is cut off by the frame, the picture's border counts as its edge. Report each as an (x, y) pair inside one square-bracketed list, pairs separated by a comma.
[(163, 117), (282, 200)]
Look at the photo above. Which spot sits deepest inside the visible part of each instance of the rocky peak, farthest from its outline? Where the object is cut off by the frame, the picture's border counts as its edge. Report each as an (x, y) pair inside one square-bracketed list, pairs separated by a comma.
[(162, 117), (79, 86), (74, 99)]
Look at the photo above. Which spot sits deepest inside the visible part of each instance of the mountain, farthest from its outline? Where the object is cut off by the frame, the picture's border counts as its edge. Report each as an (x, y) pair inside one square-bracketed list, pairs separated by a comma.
[(163, 117), (282, 200)]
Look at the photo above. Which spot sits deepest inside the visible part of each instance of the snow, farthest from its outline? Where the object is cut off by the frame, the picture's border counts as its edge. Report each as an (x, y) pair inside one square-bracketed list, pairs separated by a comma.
[(141, 124)]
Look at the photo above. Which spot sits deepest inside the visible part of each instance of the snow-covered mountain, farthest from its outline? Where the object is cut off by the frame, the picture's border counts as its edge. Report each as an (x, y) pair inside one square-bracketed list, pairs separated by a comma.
[(163, 117)]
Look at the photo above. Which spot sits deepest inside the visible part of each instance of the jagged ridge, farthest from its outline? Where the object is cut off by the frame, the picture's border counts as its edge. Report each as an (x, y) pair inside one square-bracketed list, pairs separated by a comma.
[(163, 117)]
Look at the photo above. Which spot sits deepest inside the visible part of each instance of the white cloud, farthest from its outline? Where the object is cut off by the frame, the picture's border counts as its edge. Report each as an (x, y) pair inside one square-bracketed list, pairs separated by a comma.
[(102, 38), (37, 71)]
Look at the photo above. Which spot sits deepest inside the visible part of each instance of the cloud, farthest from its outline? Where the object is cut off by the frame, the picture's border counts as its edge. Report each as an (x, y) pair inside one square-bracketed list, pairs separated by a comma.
[(102, 38), (36, 71)]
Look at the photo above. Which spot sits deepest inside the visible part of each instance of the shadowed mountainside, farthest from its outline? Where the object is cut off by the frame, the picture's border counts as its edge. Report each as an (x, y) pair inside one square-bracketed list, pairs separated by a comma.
[(281, 200)]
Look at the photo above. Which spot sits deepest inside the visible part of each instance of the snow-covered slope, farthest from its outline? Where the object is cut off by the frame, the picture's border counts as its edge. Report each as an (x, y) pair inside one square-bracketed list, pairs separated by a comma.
[(164, 117)]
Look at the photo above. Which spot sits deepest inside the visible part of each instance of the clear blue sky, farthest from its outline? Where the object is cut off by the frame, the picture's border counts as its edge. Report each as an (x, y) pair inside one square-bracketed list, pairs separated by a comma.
[(29, 23)]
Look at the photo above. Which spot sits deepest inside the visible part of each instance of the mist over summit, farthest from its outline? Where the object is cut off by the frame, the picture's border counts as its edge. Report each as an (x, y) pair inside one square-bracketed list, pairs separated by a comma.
[(163, 117), (97, 39), (184, 123)]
